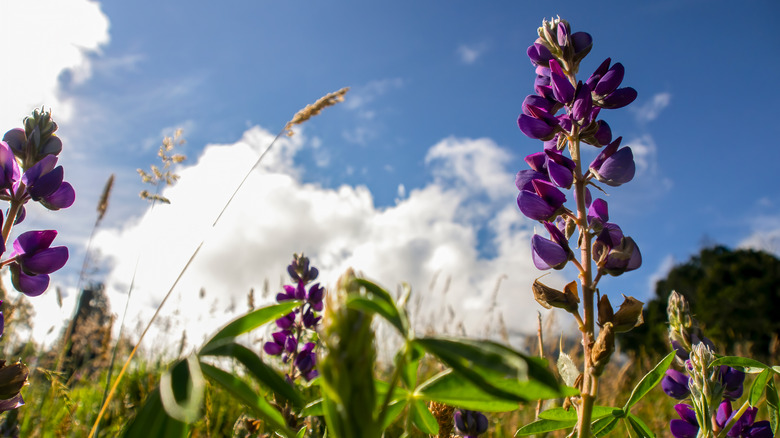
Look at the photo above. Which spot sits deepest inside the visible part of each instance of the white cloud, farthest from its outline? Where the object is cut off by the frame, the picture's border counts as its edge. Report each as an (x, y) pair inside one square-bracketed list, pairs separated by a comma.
[(469, 53), (44, 39), (765, 235), (430, 233), (360, 96), (663, 269), (649, 111)]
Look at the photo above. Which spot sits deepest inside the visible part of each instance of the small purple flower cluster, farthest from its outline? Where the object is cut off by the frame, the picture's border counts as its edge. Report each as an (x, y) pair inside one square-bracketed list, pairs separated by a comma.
[(29, 171), (676, 384), (556, 55), (470, 424), (300, 324)]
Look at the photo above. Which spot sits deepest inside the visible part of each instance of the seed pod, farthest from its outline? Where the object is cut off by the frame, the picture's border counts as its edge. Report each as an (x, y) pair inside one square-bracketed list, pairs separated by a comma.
[(605, 311), (629, 315), (549, 297), (603, 348)]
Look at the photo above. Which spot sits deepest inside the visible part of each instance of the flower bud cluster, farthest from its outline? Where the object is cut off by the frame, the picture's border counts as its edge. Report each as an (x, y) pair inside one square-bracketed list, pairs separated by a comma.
[(711, 389), (299, 326), (563, 113)]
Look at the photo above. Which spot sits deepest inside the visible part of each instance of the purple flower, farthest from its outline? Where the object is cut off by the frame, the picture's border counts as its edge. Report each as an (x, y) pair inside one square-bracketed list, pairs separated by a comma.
[(612, 166), (563, 90), (675, 384), (33, 260), (746, 426), (543, 202), (582, 42), (598, 214), (617, 252), (306, 361), (12, 403), (276, 347), (470, 424), (540, 129), (44, 183), (605, 82), (582, 107), (686, 426), (732, 380), (9, 168), (539, 54), (550, 253), (559, 169), (286, 321)]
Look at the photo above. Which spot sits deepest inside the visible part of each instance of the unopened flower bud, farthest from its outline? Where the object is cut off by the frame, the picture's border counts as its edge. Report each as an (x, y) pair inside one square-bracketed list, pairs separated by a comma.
[(605, 311), (549, 297)]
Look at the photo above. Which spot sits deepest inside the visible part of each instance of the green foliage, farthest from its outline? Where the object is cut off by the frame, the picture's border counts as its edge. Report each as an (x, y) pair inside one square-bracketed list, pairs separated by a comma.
[(734, 295)]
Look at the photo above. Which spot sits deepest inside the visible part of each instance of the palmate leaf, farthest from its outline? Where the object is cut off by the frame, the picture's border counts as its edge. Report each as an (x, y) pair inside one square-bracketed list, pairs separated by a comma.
[(449, 387), (604, 425), (246, 395), (639, 426), (263, 373), (649, 381), (544, 426), (250, 321), (494, 368), (423, 418), (379, 301)]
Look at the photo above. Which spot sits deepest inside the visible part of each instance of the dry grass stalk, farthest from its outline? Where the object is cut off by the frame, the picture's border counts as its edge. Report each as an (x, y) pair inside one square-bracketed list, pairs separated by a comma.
[(315, 108), (103, 203)]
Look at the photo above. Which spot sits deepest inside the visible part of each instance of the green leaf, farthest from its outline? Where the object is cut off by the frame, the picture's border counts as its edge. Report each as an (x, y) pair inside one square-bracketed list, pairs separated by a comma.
[(313, 409), (757, 388), (604, 425), (773, 406), (379, 301), (450, 388), (639, 426), (251, 321), (301, 432), (423, 418), (561, 414), (494, 368), (543, 426), (649, 381), (394, 409), (153, 421), (182, 390), (265, 375), (749, 365), (244, 394)]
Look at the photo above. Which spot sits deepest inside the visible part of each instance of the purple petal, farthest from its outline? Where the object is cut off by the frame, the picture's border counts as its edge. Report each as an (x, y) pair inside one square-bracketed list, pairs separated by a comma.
[(619, 98), (280, 337), (53, 146), (30, 285), (562, 35), (539, 54), (12, 403), (272, 348), (600, 71), (606, 153), (535, 128), (581, 41), (45, 261), (524, 178), (554, 197), (675, 384), (583, 102), (16, 139), (604, 134), (723, 413), (537, 106), (547, 254), (599, 210), (560, 174), (617, 169), (536, 161), (31, 242), (62, 198), (682, 429), (533, 206), (563, 90), (686, 413), (761, 429), (41, 183), (611, 80)]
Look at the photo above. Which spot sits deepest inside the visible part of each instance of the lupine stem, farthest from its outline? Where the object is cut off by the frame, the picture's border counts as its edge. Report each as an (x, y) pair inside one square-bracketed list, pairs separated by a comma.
[(13, 210), (589, 383)]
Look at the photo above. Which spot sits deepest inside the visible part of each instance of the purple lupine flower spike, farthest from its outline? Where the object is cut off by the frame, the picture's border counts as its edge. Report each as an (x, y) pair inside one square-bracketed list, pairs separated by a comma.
[(541, 203)]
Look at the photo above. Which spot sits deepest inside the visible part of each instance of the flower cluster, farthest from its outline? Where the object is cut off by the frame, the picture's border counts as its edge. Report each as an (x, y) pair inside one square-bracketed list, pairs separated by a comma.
[(710, 389), (563, 113), (29, 172), (299, 326)]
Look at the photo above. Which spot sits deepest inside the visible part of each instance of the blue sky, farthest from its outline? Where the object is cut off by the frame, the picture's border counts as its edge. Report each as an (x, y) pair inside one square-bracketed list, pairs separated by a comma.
[(410, 179)]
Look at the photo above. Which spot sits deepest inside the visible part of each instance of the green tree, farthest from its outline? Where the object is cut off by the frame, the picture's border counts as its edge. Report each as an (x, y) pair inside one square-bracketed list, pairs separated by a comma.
[(734, 294)]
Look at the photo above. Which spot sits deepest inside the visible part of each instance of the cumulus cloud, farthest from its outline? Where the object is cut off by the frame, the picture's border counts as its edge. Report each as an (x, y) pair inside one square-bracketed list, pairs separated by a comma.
[(65, 34), (360, 100), (431, 233), (649, 111)]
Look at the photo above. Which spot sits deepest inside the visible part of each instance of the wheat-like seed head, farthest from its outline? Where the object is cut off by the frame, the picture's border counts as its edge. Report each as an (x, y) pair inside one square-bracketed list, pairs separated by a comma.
[(311, 110)]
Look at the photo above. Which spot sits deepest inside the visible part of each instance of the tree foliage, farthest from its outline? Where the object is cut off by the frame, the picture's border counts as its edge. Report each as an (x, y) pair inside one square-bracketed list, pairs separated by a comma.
[(734, 294)]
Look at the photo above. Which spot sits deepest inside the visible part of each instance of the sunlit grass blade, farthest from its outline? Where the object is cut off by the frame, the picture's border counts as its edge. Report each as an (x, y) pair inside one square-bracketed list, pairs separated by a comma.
[(561, 414), (153, 421), (544, 426)]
